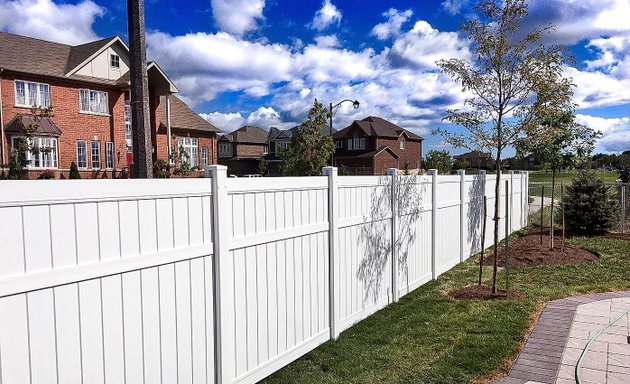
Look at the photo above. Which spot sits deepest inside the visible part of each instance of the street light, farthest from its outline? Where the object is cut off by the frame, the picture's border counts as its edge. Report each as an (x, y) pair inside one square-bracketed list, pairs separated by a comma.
[(355, 104)]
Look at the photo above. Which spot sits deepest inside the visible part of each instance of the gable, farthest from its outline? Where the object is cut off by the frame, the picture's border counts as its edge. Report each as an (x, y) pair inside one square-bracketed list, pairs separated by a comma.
[(99, 65)]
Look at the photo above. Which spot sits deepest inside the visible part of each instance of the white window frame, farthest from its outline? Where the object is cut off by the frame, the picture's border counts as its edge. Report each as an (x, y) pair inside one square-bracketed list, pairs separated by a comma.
[(90, 105), (338, 144), (191, 146), (85, 159), (349, 144), (225, 148), (204, 155), (401, 143), (109, 155), (41, 99), (284, 145), (95, 154), (362, 143), (128, 130), (40, 160), (113, 56)]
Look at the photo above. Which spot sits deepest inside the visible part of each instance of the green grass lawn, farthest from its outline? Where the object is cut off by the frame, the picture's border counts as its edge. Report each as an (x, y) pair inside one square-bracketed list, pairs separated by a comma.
[(565, 177), (429, 337)]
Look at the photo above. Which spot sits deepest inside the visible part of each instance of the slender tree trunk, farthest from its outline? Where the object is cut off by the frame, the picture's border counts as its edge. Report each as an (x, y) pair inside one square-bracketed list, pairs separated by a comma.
[(553, 191), (497, 202)]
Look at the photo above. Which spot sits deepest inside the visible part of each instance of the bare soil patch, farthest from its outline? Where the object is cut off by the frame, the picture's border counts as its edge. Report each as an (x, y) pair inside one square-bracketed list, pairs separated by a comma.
[(527, 251), (483, 292)]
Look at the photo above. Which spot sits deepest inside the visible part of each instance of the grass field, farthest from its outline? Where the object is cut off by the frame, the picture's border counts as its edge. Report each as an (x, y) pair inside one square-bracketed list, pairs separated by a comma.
[(429, 337), (565, 177)]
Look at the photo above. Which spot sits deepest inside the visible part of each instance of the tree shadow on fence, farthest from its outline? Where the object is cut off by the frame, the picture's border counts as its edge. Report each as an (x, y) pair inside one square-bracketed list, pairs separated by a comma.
[(376, 232), (475, 214)]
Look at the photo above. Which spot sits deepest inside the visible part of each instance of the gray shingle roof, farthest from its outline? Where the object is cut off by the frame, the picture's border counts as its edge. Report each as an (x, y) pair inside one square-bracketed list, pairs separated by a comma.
[(182, 117), (247, 134), (43, 126), (379, 127)]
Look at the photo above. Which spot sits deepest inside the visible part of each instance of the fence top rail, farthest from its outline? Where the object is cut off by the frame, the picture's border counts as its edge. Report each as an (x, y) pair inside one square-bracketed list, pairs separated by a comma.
[(446, 179), (50, 192), (275, 184), (364, 181)]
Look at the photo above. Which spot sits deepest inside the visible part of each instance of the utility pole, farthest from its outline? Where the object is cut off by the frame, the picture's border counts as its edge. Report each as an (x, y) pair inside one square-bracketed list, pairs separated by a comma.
[(140, 124)]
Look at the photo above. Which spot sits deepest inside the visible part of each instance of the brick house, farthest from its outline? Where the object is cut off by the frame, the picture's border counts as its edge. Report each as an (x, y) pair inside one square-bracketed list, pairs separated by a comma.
[(242, 150), (371, 145), (476, 159), (87, 86)]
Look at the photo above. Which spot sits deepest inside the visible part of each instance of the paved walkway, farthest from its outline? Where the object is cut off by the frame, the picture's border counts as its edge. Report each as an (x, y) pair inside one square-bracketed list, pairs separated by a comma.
[(534, 206), (563, 331)]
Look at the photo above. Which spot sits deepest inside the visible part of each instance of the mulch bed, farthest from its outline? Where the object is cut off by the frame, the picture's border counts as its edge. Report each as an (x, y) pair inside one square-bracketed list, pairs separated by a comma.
[(527, 251), (483, 292)]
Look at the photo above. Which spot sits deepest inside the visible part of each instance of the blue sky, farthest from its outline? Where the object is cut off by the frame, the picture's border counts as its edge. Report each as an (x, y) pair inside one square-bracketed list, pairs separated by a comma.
[(263, 62)]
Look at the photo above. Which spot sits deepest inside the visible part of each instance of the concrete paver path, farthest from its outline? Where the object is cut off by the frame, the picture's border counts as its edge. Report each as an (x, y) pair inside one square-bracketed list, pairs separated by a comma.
[(562, 332)]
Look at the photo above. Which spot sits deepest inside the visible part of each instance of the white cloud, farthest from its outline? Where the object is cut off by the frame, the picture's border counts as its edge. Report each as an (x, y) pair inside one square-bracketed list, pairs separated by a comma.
[(613, 56), (423, 45), (578, 20), (237, 16), (616, 132), (327, 15), (63, 23), (598, 89), (328, 41), (454, 6), (391, 28), (264, 117)]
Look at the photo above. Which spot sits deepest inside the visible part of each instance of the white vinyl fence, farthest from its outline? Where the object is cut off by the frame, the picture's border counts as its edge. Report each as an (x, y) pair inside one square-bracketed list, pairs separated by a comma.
[(218, 280)]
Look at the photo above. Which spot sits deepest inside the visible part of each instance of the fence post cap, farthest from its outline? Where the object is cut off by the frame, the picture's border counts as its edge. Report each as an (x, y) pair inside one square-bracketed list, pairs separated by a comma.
[(461, 171), (215, 169), (433, 172), (326, 171), (392, 171)]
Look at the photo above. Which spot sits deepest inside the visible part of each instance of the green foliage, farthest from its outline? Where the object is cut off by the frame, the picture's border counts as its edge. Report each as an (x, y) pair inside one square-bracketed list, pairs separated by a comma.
[(588, 206), (440, 160), (624, 174), (46, 175), (310, 148), (460, 164), (74, 171), (611, 161), (182, 162), (262, 167), (161, 169)]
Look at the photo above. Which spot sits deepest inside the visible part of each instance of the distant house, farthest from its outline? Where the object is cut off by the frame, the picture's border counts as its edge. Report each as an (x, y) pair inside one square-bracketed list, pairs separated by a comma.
[(371, 145), (477, 159), (192, 133), (88, 86), (278, 140), (242, 150), (530, 162)]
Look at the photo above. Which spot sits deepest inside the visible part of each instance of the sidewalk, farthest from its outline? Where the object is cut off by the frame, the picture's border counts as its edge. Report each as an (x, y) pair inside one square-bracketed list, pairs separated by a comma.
[(563, 331)]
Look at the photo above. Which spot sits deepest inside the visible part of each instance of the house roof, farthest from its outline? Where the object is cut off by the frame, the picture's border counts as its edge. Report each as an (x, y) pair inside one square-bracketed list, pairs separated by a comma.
[(377, 127), (280, 134), (371, 154), (473, 154), (45, 126), (22, 54), (247, 134), (182, 117)]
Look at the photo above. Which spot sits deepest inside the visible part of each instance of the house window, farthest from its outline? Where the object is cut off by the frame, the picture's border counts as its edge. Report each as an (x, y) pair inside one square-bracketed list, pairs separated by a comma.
[(114, 61), (338, 144), (284, 145), (362, 143), (349, 144), (265, 150), (189, 145), (81, 154), (359, 142), (29, 94), (42, 152), (96, 154), (204, 155), (128, 134), (401, 144), (93, 101), (109, 155), (225, 148)]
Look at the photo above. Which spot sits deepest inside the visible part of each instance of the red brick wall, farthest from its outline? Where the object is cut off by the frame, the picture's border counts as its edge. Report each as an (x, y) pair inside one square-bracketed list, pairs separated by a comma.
[(250, 150), (383, 161), (412, 152), (74, 125)]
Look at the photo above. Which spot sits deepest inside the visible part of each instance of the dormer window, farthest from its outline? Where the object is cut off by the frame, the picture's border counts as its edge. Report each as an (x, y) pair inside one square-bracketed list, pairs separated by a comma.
[(359, 142), (114, 61), (401, 143)]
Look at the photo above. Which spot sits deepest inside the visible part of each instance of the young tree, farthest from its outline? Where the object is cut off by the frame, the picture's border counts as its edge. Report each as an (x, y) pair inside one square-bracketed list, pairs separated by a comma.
[(563, 144), (310, 148), (440, 160), (511, 79)]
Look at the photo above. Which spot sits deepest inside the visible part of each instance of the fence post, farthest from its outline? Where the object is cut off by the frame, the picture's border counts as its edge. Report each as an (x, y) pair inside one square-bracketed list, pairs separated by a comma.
[(482, 174), (462, 212), (333, 214), (511, 203), (434, 174), (526, 200), (223, 296), (393, 172)]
